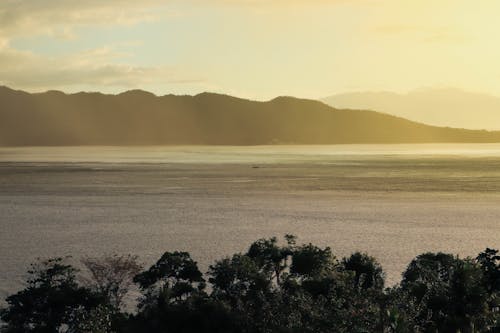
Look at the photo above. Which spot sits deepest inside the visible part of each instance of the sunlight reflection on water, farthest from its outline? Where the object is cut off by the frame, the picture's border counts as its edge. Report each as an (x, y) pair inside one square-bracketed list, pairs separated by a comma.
[(236, 154), (392, 201)]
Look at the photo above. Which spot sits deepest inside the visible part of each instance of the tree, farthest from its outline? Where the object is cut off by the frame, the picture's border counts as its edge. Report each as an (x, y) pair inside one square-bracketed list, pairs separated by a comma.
[(50, 300), (448, 292), (96, 320), (489, 261), (237, 276), (271, 288), (112, 276), (367, 271), (309, 261), (174, 277), (271, 257)]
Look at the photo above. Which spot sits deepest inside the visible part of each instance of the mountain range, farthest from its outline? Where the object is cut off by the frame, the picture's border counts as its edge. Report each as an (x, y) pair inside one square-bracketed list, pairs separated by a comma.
[(434, 106), (137, 117)]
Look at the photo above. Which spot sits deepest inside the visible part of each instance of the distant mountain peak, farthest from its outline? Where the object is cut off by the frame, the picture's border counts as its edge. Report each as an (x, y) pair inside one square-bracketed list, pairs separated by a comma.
[(284, 98), (442, 106), (137, 92), (210, 94), (54, 93)]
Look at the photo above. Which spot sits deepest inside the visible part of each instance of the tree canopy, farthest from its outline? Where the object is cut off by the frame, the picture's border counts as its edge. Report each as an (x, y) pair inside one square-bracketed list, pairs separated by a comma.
[(273, 287)]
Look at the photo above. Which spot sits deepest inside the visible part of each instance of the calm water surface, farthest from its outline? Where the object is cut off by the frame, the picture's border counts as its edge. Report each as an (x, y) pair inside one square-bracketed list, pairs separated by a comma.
[(392, 201)]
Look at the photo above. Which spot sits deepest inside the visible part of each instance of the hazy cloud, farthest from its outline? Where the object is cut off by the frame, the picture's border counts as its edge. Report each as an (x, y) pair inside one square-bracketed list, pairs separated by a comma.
[(57, 17), (375, 44), (97, 67)]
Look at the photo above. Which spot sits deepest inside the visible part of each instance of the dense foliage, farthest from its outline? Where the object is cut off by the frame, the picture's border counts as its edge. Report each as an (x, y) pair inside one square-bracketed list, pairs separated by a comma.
[(273, 287)]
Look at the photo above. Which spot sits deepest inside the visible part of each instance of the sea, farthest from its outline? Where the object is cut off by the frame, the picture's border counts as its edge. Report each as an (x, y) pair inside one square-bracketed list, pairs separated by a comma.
[(393, 202)]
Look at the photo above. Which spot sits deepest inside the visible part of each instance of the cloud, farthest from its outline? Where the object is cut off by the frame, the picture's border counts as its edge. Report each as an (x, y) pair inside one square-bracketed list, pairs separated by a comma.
[(284, 2), (98, 67), (281, 4), (58, 17)]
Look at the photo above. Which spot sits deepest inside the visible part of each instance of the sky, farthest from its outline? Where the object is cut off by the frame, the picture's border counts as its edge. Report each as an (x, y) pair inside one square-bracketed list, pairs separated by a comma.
[(256, 49)]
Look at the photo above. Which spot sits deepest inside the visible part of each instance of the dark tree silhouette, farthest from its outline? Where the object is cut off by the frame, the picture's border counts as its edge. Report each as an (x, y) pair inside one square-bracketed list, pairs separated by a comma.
[(50, 301), (449, 293), (368, 272), (310, 262), (272, 287), (271, 257), (112, 276), (173, 278), (238, 276)]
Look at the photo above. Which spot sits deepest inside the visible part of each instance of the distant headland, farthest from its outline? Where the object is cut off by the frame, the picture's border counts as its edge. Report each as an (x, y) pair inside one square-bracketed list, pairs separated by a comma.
[(137, 117)]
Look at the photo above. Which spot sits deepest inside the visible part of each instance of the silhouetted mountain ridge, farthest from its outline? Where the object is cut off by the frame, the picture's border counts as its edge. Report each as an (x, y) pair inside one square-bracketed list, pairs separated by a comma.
[(138, 117)]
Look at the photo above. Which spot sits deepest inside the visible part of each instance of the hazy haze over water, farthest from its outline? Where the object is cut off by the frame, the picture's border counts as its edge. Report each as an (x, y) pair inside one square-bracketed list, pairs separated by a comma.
[(392, 201), (237, 154)]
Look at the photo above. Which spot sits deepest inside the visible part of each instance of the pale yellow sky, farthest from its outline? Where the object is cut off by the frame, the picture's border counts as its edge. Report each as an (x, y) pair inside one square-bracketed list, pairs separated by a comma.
[(251, 48)]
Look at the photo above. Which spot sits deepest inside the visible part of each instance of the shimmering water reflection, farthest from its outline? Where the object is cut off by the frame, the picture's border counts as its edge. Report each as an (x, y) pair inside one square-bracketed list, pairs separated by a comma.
[(392, 201)]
